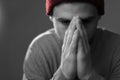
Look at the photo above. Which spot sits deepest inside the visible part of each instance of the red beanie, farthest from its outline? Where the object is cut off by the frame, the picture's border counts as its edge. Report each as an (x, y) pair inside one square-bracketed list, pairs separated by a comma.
[(51, 3)]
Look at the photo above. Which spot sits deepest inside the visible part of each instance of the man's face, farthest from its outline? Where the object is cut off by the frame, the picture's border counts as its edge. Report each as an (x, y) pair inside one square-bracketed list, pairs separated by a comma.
[(63, 14)]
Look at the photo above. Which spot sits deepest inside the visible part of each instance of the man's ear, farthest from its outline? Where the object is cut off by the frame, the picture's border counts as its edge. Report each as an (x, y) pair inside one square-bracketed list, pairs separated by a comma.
[(51, 18)]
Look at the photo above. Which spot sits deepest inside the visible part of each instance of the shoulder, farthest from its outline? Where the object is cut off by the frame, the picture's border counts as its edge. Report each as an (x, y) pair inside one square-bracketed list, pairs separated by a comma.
[(44, 38), (40, 55), (42, 44), (107, 51), (110, 38), (111, 44)]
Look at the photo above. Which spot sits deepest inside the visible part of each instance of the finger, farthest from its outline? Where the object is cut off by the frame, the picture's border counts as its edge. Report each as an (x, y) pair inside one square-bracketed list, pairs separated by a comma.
[(85, 37), (65, 40), (82, 40), (69, 34), (80, 48), (73, 45), (79, 25), (71, 30), (71, 23), (83, 34)]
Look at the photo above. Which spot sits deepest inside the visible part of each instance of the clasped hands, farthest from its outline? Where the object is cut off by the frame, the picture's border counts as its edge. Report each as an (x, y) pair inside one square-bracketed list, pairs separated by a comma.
[(76, 59)]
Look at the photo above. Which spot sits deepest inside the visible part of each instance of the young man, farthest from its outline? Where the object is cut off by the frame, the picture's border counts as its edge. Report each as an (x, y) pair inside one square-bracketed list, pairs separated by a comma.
[(75, 49)]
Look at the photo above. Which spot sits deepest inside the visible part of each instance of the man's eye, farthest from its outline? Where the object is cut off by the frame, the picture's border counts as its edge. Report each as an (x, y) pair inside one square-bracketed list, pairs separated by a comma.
[(86, 21), (66, 22)]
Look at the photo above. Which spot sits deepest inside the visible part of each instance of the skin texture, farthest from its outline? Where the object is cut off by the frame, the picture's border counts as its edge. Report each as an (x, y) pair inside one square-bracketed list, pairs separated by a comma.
[(75, 24)]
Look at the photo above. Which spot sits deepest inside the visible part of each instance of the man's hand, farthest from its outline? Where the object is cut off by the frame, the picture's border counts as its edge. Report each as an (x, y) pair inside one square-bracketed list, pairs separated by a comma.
[(76, 57), (69, 50), (84, 66)]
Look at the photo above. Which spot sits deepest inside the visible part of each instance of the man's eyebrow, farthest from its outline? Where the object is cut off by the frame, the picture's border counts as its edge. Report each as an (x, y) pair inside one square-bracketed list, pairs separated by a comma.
[(85, 18), (89, 18), (63, 19)]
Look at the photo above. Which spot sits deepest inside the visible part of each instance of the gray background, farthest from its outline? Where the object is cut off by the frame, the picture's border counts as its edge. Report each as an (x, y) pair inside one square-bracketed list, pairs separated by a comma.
[(25, 19)]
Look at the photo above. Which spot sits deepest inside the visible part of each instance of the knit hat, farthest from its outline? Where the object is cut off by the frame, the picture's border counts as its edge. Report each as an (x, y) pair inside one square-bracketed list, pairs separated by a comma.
[(51, 3)]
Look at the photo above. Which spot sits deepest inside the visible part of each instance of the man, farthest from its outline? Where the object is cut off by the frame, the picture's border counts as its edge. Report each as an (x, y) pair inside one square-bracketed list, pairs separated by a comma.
[(75, 49)]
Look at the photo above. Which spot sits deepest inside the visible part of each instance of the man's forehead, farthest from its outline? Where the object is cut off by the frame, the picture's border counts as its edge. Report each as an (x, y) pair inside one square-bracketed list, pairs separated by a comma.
[(68, 11)]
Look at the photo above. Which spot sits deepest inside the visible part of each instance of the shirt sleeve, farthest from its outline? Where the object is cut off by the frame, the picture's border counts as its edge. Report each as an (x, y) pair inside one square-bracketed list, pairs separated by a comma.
[(115, 65), (34, 65), (37, 62), (42, 58)]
